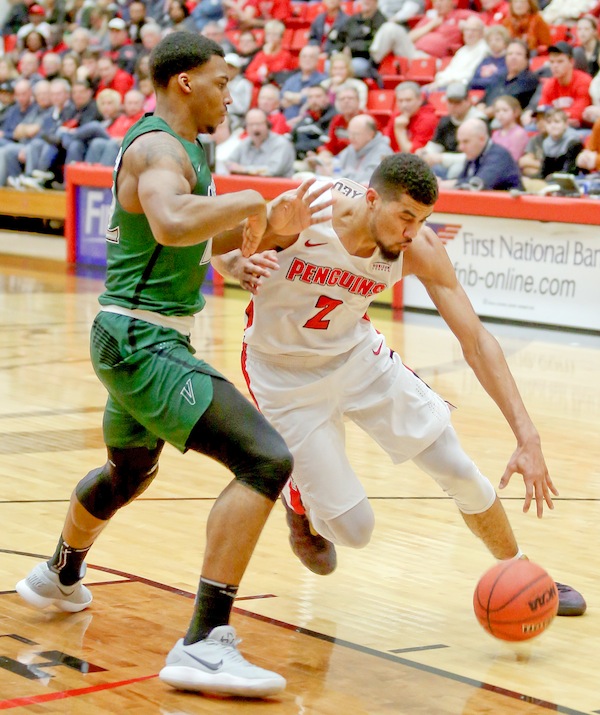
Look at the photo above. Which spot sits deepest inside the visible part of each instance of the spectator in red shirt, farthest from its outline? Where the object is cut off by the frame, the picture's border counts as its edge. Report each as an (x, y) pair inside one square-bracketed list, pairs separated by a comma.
[(568, 88), (493, 12), (437, 34), (104, 150), (414, 122), (249, 14), (347, 105), (272, 57), (113, 77), (269, 100)]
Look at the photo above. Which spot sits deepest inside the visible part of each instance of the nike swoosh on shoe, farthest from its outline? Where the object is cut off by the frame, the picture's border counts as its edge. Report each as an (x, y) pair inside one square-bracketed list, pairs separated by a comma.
[(206, 664)]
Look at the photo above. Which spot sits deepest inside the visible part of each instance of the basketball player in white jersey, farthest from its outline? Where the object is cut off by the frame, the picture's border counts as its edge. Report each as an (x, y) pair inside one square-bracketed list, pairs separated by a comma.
[(311, 358)]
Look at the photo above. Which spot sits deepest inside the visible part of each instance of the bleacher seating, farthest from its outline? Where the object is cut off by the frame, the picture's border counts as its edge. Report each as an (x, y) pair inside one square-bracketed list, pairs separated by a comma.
[(421, 70)]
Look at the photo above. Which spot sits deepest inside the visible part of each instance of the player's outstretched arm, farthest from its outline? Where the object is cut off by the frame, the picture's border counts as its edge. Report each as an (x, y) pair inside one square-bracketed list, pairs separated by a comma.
[(157, 179), (427, 259)]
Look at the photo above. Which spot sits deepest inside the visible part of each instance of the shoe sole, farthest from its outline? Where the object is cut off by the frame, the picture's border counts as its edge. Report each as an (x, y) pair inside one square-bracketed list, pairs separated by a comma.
[(186, 678), (41, 602)]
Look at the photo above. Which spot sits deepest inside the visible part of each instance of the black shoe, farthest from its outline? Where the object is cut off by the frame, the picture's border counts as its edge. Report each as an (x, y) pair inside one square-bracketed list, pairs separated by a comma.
[(570, 601), (313, 550)]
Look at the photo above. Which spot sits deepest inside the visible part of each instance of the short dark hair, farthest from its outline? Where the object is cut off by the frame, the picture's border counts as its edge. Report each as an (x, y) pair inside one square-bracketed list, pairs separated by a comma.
[(180, 52), (405, 174)]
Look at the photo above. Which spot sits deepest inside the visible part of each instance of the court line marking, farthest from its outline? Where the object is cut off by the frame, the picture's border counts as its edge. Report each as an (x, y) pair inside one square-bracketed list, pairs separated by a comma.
[(62, 694), (389, 656)]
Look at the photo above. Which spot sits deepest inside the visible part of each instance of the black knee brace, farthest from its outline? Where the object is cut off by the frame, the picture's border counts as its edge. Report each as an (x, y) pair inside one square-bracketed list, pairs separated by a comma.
[(126, 474)]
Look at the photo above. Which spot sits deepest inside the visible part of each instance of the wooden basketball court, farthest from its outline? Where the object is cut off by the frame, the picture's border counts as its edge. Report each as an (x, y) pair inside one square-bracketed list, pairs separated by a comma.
[(392, 631)]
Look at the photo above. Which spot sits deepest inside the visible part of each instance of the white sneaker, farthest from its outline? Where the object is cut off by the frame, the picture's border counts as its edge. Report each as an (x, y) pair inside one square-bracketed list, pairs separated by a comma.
[(215, 665), (29, 182), (42, 588)]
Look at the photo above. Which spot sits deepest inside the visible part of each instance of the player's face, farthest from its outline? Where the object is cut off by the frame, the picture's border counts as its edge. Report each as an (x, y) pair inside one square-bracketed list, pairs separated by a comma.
[(394, 224), (210, 94)]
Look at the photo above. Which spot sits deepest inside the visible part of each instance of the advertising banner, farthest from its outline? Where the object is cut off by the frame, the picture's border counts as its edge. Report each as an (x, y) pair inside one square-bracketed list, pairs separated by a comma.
[(92, 211), (528, 271)]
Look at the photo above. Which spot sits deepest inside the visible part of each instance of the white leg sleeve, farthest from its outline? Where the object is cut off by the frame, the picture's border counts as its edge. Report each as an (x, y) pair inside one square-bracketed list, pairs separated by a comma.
[(354, 528), (446, 461)]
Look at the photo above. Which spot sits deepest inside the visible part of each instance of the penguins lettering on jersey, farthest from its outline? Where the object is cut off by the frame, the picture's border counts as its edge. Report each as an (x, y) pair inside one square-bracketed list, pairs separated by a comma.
[(327, 276)]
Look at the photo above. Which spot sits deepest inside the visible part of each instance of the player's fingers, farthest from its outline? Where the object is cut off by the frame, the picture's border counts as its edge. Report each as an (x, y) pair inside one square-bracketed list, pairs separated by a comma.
[(304, 187), (508, 472), (325, 205), (318, 192)]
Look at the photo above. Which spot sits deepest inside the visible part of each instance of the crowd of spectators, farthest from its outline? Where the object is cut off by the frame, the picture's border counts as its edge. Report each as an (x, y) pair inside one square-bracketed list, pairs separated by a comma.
[(492, 94)]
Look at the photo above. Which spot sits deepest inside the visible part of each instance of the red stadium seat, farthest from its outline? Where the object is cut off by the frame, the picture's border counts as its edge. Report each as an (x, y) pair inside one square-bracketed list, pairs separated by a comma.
[(537, 62), (421, 70), (299, 40), (381, 100), (559, 33), (312, 10), (439, 102)]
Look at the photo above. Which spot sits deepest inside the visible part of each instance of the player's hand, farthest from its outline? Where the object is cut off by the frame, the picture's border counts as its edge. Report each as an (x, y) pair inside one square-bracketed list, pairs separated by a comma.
[(294, 211), (253, 231), (257, 268), (528, 461)]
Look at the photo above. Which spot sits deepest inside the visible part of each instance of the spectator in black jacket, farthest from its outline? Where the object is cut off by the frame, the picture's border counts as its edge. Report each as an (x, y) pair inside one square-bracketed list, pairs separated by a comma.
[(326, 27), (357, 35), (488, 166), (311, 130)]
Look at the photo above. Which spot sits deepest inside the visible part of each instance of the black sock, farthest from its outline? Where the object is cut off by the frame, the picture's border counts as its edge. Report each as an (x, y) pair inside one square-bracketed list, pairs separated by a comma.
[(212, 608), (67, 562)]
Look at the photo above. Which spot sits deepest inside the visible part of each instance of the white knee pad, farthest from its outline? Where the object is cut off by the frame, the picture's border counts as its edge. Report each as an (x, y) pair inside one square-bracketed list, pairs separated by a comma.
[(446, 461), (353, 529)]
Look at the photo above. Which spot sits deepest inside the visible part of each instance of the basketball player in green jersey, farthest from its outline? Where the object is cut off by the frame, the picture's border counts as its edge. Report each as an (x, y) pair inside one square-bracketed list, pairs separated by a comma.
[(165, 223)]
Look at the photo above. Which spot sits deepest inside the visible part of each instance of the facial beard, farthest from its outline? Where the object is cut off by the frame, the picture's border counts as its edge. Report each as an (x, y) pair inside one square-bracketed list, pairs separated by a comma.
[(386, 252)]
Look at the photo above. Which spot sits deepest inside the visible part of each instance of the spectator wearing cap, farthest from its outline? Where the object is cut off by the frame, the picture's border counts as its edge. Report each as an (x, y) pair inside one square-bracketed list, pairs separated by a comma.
[(295, 88), (518, 81), (262, 152), (36, 22), (441, 153), (567, 88), (413, 123), (122, 51), (587, 52), (7, 97), (113, 77), (493, 65), (240, 90), (487, 166), (463, 64), (526, 23)]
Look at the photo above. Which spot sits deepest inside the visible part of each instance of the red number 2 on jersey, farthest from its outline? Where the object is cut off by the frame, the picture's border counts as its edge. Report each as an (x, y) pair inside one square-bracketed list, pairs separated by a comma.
[(318, 322)]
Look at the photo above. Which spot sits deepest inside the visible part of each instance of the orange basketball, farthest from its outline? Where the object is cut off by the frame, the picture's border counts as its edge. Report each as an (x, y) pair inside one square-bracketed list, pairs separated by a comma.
[(515, 600)]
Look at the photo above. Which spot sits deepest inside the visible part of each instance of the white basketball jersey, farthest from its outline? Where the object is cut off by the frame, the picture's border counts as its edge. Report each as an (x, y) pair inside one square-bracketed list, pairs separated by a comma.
[(316, 303)]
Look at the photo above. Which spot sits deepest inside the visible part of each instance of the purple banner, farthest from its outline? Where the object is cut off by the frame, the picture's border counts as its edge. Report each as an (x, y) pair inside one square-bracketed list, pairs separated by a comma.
[(93, 212)]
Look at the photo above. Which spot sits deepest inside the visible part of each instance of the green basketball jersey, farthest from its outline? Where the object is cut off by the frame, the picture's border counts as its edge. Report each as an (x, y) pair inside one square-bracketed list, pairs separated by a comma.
[(142, 273)]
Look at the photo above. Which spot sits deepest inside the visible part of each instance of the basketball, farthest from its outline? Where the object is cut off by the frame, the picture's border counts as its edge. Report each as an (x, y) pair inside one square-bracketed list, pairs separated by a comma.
[(515, 600)]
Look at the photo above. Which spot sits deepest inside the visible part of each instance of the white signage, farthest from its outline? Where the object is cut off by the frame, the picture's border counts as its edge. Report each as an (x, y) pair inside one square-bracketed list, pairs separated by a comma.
[(528, 271)]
